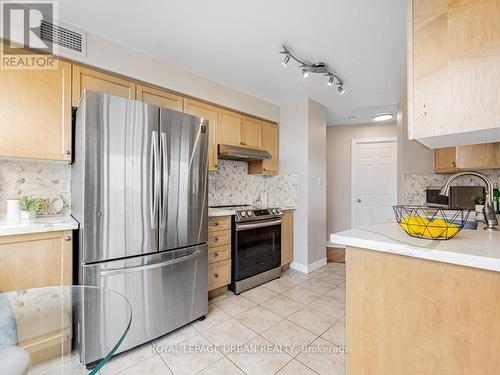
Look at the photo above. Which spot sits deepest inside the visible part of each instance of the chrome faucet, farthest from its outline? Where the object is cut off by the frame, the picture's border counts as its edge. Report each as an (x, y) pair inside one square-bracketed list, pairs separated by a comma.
[(489, 212)]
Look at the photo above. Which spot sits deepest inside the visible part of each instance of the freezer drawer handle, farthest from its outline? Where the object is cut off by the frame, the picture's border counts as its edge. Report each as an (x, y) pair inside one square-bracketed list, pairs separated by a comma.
[(261, 224), (120, 271)]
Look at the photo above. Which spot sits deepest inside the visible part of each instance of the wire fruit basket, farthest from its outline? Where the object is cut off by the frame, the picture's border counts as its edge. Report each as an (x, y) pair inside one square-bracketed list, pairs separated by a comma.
[(430, 223)]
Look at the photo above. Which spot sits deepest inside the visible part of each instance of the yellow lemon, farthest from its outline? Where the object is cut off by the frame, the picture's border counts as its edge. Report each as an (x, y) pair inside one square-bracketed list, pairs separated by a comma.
[(451, 230), (417, 224)]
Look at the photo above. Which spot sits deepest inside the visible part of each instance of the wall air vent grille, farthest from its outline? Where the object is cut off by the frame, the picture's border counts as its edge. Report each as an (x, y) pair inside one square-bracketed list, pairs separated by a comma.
[(63, 36)]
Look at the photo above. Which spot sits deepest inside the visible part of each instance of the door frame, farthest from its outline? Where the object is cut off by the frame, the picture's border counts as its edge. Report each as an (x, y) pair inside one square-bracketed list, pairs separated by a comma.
[(354, 143)]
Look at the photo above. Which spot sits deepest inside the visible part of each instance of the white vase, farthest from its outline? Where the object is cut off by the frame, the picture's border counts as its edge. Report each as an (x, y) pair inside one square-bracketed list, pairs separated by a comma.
[(13, 209), (28, 215)]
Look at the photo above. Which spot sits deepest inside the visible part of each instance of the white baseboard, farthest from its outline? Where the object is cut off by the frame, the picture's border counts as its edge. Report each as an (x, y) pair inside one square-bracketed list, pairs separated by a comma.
[(308, 268)]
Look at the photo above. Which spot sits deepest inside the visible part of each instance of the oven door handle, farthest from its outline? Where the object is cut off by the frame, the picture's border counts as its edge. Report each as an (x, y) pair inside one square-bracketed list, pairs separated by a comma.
[(261, 224)]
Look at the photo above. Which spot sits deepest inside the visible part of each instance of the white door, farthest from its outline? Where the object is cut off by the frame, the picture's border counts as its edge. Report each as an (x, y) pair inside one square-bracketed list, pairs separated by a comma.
[(373, 180)]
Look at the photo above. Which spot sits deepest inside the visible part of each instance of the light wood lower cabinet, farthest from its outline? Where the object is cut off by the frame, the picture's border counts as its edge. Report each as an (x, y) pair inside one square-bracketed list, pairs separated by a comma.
[(287, 237), (91, 79), (35, 260), (35, 113), (453, 159), (219, 252), (156, 96)]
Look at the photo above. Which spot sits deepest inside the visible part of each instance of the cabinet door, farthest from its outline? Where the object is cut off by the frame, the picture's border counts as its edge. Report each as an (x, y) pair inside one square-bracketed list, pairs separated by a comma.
[(484, 156), (159, 97), (445, 160), (35, 113), (252, 132), (208, 112), (86, 78), (287, 237), (229, 128), (36, 260), (270, 143)]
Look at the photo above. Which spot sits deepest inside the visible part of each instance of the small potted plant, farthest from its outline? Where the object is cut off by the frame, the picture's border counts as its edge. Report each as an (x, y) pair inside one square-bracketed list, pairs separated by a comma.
[(30, 206), (478, 200)]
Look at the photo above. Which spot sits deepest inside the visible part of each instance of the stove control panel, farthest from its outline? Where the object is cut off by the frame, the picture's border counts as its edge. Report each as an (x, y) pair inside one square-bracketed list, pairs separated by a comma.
[(257, 214)]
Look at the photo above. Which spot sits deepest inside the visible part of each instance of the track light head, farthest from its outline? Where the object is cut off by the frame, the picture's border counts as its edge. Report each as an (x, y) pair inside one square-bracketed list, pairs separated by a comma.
[(341, 90), (286, 60), (330, 81), (305, 73)]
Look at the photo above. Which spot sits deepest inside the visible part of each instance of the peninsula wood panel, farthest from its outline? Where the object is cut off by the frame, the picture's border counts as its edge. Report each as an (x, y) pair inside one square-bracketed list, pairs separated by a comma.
[(35, 260), (413, 316), (95, 80), (287, 237), (159, 97), (229, 128), (210, 113), (35, 112), (252, 132)]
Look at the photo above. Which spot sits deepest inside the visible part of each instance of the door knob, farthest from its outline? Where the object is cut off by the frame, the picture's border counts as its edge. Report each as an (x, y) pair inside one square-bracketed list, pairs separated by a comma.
[(358, 200)]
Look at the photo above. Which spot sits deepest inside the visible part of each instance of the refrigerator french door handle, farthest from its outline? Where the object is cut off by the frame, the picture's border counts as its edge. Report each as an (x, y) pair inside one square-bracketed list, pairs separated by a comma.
[(153, 178), (164, 182), (120, 271)]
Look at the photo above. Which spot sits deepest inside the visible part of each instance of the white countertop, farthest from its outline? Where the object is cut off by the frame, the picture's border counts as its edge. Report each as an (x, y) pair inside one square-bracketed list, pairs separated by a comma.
[(41, 224), (472, 248), (214, 212)]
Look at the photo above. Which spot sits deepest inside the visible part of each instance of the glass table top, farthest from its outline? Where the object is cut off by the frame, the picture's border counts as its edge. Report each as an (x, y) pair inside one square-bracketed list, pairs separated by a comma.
[(56, 330)]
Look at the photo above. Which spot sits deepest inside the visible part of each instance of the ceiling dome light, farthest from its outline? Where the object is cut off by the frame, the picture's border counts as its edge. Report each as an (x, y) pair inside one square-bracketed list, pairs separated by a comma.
[(285, 62), (305, 73), (383, 117)]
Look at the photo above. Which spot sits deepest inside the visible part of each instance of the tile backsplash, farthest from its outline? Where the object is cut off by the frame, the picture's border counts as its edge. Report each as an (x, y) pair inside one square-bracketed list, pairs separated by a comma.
[(43, 179), (231, 184), (416, 183)]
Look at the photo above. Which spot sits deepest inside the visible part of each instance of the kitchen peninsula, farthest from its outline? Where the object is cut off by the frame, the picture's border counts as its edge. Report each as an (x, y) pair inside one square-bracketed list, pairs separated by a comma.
[(441, 296)]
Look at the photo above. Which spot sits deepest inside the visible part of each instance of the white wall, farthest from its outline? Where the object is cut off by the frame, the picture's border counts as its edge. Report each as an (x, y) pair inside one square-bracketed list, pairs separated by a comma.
[(110, 56), (338, 168), (302, 153)]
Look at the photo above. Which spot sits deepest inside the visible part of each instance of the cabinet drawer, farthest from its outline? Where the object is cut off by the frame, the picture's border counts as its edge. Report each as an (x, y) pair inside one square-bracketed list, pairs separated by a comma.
[(219, 223), (216, 254), (219, 274), (219, 238)]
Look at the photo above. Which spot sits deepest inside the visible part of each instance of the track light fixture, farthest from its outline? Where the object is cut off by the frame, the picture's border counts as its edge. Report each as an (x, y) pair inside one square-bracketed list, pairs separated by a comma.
[(319, 67)]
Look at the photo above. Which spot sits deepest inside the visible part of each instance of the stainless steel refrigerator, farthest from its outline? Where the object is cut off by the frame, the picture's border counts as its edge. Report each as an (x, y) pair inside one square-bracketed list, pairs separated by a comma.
[(139, 192)]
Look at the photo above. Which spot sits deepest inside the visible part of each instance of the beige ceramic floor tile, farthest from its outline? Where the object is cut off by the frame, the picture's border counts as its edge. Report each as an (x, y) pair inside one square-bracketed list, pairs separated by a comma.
[(290, 336), (151, 366), (259, 294), (266, 359), (221, 297), (230, 332), (296, 368), (280, 285), (175, 337), (336, 333), (316, 285), (127, 359), (337, 293), (294, 277), (325, 363), (329, 305), (192, 356), (223, 367), (282, 305), (303, 294), (330, 279), (259, 318), (312, 320), (214, 316), (234, 305)]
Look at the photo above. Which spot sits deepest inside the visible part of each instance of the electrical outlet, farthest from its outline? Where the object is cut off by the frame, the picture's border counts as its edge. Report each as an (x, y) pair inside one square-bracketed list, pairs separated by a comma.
[(64, 186)]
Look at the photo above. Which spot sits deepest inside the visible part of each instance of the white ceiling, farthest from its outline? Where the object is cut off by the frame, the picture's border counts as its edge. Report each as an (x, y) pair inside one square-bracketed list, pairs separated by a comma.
[(237, 43)]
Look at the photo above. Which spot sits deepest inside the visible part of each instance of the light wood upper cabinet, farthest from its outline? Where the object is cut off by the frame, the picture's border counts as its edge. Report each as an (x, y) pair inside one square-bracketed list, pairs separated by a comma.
[(36, 260), (287, 237), (210, 113), (453, 159), (454, 72), (229, 128), (252, 132), (270, 143), (159, 97), (35, 113), (86, 78)]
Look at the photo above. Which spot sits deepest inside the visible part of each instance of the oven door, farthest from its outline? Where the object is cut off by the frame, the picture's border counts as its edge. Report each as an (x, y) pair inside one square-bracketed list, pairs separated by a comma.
[(256, 248)]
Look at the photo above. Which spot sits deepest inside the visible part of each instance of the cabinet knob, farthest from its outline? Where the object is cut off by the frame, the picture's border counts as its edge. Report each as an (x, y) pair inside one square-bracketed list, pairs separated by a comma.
[(216, 239), (454, 164), (216, 275), (67, 238), (67, 152), (216, 255), (216, 224)]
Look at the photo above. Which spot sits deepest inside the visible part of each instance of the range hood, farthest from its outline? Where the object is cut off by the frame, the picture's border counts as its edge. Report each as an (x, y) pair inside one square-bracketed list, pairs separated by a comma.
[(242, 153)]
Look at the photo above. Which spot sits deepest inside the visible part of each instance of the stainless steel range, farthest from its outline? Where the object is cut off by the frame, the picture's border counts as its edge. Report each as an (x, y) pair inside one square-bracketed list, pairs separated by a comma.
[(256, 246)]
